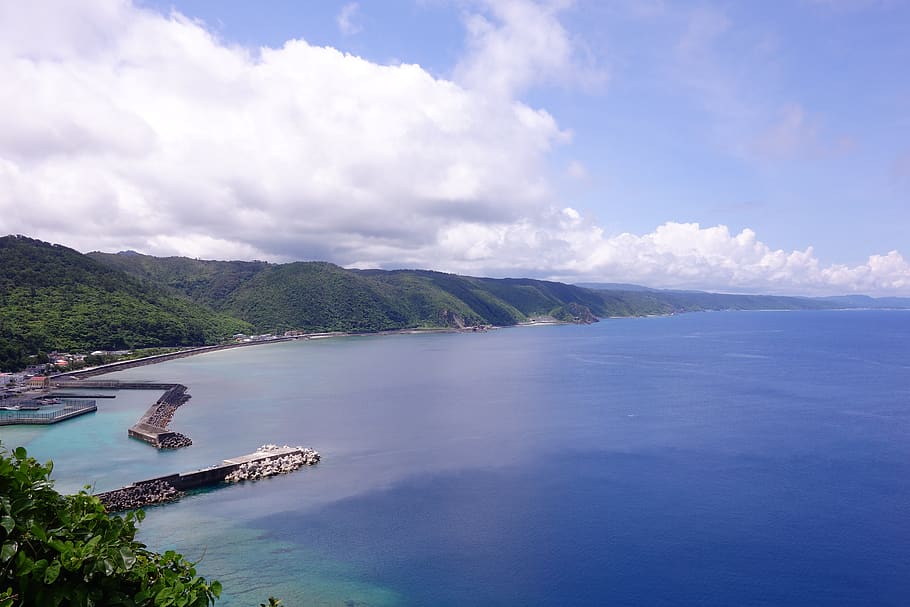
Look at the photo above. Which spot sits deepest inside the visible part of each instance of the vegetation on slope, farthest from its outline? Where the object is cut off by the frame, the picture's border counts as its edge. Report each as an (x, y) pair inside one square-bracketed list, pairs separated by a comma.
[(52, 297), (205, 282), (319, 296), (55, 298)]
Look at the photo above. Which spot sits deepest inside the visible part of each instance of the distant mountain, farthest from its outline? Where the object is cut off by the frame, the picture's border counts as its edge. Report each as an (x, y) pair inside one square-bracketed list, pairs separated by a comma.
[(673, 301), (55, 298), (864, 301), (612, 286)]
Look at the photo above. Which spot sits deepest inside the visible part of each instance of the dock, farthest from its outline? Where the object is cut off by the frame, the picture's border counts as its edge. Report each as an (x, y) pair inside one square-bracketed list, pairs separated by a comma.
[(47, 414), (269, 460)]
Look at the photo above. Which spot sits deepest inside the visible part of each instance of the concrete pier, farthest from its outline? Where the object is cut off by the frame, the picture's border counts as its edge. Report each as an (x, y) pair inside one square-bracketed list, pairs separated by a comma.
[(166, 488)]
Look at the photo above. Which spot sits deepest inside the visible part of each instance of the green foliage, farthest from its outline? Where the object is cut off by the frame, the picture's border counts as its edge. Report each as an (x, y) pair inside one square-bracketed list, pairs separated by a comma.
[(54, 298), (319, 296), (66, 550)]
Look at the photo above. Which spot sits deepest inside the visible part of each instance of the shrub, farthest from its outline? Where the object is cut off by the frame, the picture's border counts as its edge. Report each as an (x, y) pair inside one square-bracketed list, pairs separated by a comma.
[(67, 550)]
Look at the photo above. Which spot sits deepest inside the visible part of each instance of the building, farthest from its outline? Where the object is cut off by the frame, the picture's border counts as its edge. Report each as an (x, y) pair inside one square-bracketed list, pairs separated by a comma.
[(38, 381)]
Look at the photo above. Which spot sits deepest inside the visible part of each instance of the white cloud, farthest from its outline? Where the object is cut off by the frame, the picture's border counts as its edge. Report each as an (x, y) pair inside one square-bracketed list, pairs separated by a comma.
[(154, 126), (346, 19), (516, 44), (676, 255), (121, 128)]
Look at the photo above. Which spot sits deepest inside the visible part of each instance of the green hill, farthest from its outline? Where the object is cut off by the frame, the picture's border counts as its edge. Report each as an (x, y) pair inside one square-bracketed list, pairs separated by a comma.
[(52, 297), (319, 296), (55, 298)]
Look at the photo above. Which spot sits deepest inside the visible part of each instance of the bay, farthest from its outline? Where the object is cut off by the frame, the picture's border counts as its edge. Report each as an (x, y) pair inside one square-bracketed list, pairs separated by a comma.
[(748, 458)]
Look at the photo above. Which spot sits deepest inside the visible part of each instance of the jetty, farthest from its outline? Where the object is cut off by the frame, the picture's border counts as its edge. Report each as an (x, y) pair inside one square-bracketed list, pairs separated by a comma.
[(268, 460), (152, 427)]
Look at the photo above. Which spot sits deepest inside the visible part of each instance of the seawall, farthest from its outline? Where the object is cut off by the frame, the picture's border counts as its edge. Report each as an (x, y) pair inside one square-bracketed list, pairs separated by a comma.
[(168, 487), (158, 358)]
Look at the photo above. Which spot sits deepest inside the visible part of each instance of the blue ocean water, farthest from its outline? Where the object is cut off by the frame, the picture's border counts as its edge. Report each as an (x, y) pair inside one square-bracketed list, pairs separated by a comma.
[(748, 458)]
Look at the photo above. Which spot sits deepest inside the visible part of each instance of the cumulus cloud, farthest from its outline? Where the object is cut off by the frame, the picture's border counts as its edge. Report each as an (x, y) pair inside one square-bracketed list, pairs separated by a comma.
[(566, 246), (121, 128), (143, 125)]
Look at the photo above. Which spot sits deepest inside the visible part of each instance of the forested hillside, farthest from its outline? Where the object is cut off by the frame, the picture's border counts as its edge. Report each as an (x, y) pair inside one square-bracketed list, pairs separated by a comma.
[(320, 296), (52, 297), (55, 298)]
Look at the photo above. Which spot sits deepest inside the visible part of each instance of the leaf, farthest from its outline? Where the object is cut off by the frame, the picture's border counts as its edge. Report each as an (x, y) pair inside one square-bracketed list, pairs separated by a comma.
[(8, 551), (52, 572), (129, 559), (7, 522)]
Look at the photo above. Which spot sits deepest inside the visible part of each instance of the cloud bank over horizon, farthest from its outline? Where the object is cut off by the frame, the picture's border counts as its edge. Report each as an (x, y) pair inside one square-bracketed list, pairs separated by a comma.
[(122, 128)]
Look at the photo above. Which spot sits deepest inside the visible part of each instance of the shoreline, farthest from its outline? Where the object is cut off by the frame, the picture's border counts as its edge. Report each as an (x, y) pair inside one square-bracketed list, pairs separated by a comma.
[(195, 351)]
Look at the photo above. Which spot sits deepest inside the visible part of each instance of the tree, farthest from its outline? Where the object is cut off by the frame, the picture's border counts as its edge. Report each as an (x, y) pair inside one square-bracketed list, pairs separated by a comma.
[(67, 550)]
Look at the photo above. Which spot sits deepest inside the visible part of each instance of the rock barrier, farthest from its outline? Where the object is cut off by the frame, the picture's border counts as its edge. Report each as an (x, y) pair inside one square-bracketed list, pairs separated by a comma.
[(139, 495), (269, 460), (153, 426), (174, 440), (281, 464)]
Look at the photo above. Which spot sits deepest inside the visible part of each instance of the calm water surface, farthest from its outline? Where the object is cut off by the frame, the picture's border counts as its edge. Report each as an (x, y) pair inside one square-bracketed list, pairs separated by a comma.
[(750, 458)]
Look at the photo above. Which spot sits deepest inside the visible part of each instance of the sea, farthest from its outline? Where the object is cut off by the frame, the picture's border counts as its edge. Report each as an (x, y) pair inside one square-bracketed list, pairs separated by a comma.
[(713, 459)]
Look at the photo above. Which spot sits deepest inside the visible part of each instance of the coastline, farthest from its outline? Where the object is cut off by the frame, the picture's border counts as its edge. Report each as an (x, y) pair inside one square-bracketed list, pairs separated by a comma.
[(194, 351)]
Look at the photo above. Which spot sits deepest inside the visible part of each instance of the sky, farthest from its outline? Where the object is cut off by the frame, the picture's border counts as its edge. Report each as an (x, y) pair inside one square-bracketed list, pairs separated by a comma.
[(727, 146)]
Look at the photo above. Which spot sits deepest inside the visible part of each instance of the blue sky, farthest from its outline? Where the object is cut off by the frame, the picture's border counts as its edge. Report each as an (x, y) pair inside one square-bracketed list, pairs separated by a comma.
[(735, 146)]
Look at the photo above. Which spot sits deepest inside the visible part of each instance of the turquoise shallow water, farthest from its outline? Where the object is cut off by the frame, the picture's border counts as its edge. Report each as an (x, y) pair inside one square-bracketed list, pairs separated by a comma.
[(712, 459)]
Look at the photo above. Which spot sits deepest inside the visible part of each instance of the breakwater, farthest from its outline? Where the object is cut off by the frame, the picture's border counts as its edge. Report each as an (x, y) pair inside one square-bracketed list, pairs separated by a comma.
[(268, 460), (152, 427), (158, 358)]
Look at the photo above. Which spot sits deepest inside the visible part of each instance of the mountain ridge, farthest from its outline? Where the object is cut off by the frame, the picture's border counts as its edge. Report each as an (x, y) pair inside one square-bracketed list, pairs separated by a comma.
[(55, 298)]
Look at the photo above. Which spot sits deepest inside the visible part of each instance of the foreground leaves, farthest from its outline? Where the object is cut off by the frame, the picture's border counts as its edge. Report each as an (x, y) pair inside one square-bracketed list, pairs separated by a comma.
[(66, 550)]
